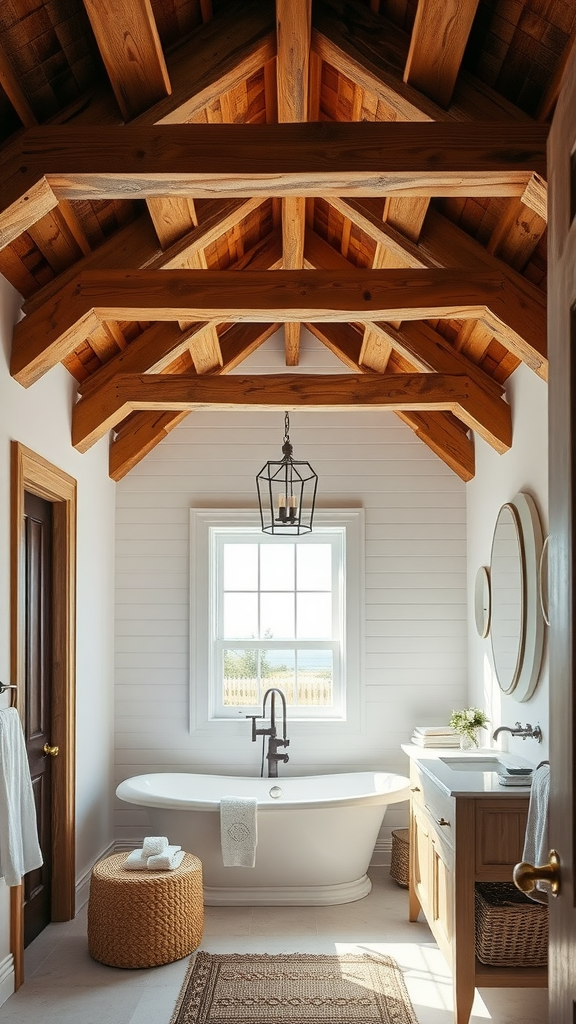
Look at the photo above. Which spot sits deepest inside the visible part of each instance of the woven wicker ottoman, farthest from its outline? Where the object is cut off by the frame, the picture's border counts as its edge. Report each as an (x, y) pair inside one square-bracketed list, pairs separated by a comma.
[(144, 918)]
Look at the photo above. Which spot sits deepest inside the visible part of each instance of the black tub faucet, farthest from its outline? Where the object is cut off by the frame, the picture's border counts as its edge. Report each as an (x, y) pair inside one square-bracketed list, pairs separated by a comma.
[(274, 742)]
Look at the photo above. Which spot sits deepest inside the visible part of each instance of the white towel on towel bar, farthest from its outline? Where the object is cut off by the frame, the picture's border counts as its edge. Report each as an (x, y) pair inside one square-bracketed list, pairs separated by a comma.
[(238, 831), (19, 847), (536, 847)]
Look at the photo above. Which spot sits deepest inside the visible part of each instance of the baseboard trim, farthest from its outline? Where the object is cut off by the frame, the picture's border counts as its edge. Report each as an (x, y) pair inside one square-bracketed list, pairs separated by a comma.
[(6, 978), (83, 881), (382, 854)]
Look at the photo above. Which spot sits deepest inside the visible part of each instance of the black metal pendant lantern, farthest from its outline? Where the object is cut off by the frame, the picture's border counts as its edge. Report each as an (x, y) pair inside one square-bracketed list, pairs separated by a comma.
[(286, 492)]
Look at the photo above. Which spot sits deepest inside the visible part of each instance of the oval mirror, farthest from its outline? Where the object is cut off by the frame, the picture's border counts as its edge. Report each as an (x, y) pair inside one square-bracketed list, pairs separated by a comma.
[(482, 601), (517, 626)]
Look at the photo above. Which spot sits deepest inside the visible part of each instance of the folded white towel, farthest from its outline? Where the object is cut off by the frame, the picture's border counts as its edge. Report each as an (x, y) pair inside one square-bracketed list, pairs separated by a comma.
[(152, 845), (136, 861), (435, 741), (19, 847), (434, 730), (168, 860), (536, 848), (238, 831)]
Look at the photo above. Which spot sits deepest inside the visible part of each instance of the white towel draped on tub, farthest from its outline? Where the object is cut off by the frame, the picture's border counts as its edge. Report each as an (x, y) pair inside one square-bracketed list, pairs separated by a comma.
[(19, 848), (536, 847), (238, 831)]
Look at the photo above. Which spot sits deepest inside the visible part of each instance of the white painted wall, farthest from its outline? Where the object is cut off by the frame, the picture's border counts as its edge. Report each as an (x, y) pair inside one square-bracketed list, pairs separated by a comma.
[(415, 565), (40, 419), (498, 478)]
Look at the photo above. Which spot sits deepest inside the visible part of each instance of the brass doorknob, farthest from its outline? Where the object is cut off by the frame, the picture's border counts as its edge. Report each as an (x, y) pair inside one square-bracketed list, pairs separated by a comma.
[(53, 751), (526, 875)]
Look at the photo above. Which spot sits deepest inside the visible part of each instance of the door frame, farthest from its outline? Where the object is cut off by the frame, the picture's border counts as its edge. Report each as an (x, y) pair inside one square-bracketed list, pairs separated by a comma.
[(30, 472)]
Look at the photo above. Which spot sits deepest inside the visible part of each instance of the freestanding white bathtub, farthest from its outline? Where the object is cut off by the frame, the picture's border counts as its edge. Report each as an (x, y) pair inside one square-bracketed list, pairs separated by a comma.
[(316, 833)]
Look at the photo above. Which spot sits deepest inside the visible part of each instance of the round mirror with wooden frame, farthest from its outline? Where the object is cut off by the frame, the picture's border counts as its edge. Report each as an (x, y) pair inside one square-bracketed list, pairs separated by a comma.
[(517, 626)]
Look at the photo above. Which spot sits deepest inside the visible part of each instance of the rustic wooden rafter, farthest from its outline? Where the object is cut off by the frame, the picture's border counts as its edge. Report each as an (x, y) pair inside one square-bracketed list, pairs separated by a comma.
[(443, 244), (144, 430), (51, 332), (437, 45), (132, 53), (95, 415), (439, 431), (155, 350), (293, 23), (225, 160), (372, 52)]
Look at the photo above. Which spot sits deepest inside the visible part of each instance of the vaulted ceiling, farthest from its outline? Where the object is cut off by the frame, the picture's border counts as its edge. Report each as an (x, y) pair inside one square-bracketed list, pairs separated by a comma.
[(178, 178)]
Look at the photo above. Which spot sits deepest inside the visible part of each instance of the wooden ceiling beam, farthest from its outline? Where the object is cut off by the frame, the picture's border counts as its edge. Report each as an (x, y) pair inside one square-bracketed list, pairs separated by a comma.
[(420, 346), (443, 244), (218, 56), (92, 417), (371, 52), (162, 343), (293, 22), (439, 431), (144, 430), (51, 332), (228, 160), (132, 53), (439, 37), (446, 439)]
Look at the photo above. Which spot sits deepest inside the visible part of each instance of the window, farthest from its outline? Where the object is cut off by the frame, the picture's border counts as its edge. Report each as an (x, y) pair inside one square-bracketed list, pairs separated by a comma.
[(275, 611), (278, 621)]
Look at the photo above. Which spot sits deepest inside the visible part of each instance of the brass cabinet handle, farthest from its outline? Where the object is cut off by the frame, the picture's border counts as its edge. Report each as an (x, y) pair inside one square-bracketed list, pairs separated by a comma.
[(53, 751), (415, 789), (442, 821), (526, 875)]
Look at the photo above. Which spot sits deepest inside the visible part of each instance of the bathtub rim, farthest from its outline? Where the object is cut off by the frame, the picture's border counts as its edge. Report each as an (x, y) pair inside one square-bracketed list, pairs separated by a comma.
[(131, 794)]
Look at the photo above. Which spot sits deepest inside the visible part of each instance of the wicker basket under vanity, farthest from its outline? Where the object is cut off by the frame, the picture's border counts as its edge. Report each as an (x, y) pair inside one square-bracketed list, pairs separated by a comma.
[(400, 856), (511, 929)]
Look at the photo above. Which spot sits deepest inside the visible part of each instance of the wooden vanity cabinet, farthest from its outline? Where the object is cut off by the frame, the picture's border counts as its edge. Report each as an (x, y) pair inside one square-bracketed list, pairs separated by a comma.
[(456, 841)]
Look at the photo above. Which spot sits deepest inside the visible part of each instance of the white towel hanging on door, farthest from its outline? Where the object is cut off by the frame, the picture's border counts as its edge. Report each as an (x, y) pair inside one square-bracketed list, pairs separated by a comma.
[(19, 848), (536, 847)]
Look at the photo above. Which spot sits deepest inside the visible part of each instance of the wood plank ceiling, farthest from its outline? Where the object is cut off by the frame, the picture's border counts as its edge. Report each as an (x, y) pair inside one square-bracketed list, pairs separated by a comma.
[(373, 169)]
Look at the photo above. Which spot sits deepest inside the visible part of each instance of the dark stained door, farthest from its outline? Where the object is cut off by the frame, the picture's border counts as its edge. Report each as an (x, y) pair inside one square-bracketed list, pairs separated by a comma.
[(38, 704), (562, 564)]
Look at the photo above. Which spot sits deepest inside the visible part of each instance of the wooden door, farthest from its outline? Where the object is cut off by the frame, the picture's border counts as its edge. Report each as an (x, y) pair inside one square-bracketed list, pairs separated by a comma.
[(562, 555), (38, 701)]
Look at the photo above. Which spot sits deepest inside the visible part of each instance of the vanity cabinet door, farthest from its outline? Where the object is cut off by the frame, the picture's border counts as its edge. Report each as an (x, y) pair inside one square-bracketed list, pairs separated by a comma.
[(442, 875), (433, 874), (421, 856)]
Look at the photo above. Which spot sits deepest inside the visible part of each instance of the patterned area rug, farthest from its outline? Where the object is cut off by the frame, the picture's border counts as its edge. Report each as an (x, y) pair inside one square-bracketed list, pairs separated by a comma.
[(294, 988)]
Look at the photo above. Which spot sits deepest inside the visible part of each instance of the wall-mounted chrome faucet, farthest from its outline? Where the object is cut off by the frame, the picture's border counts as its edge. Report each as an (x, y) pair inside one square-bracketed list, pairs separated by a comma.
[(272, 756), (524, 731)]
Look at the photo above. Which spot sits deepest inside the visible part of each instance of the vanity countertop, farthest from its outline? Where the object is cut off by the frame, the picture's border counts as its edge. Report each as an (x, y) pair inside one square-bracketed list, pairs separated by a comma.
[(462, 779)]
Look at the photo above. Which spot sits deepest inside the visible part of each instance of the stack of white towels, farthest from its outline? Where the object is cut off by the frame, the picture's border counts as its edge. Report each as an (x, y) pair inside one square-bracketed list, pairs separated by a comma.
[(435, 736), (156, 854)]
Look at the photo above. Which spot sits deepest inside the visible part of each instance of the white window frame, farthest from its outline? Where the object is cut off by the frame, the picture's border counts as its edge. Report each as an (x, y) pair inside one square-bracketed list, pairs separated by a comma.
[(206, 526)]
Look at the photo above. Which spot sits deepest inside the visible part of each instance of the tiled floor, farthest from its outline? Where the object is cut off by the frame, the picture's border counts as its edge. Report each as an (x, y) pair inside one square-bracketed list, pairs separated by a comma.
[(65, 986)]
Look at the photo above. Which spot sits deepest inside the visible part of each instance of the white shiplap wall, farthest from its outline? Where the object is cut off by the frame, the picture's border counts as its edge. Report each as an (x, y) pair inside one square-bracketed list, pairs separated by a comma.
[(415, 575)]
